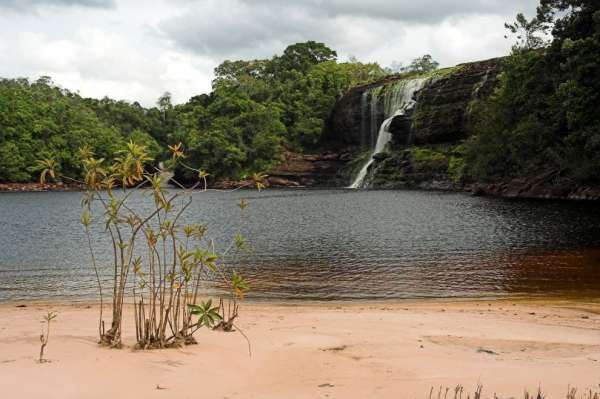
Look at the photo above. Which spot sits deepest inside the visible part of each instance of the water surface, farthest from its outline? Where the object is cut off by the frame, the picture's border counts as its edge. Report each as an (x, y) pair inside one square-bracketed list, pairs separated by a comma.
[(332, 244)]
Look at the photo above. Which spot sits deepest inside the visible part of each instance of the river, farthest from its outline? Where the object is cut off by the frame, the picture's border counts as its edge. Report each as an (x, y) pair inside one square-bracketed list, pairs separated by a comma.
[(331, 245)]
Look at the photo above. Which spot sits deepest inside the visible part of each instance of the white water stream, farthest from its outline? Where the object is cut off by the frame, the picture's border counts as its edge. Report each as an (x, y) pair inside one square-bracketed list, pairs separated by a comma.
[(397, 100)]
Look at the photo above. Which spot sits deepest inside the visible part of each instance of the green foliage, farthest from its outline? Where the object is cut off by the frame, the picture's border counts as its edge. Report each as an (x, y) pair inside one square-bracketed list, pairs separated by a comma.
[(527, 32), (259, 108), (456, 167), (45, 336), (256, 110), (165, 282), (39, 120), (419, 154), (207, 314), (440, 73), (50, 316), (423, 64), (301, 57), (440, 157), (239, 285), (544, 117), (420, 65)]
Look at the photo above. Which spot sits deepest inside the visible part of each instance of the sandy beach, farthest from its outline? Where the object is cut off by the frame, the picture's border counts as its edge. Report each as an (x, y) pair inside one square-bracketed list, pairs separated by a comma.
[(361, 350)]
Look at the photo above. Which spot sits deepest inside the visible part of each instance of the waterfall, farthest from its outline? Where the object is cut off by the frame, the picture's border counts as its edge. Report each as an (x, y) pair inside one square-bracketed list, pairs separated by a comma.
[(364, 101), (374, 93), (397, 100)]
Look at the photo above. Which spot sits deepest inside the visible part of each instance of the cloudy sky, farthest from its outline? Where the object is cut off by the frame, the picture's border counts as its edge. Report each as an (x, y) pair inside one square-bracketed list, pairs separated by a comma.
[(138, 49)]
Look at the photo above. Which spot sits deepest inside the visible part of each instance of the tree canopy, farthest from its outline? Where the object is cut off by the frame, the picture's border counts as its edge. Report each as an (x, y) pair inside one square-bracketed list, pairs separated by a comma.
[(256, 110), (544, 117), (41, 121)]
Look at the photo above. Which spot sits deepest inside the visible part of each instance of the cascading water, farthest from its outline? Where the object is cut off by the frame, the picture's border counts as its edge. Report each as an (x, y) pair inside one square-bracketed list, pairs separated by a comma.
[(397, 100), (364, 101), (374, 93)]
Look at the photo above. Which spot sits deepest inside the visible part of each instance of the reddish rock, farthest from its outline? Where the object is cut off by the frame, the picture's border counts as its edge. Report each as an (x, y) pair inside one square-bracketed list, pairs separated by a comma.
[(310, 170), (33, 187), (534, 188), (282, 182)]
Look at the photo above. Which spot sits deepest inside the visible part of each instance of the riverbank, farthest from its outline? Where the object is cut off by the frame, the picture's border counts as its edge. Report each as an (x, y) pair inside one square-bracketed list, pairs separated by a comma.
[(34, 187), (342, 350)]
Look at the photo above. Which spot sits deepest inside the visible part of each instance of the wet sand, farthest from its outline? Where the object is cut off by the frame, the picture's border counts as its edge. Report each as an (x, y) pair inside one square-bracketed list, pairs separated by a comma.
[(360, 350)]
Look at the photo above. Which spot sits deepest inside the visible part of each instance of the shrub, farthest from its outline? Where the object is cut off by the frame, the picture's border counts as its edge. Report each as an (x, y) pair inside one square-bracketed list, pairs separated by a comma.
[(158, 262)]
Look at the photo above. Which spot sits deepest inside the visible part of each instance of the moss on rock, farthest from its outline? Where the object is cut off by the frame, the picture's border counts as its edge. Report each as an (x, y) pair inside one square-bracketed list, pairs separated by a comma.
[(439, 166)]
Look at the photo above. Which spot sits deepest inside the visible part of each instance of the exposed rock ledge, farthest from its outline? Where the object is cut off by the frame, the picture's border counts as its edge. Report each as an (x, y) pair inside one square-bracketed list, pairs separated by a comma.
[(523, 188), (301, 170), (15, 187)]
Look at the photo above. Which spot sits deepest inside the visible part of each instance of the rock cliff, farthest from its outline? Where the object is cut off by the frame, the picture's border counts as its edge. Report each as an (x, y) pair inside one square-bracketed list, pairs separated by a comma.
[(426, 150), (427, 140), (440, 115), (442, 107)]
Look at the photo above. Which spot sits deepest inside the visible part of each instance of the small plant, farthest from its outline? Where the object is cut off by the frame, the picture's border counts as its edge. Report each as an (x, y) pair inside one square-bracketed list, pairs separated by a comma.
[(159, 263), (539, 395), (44, 336), (460, 393)]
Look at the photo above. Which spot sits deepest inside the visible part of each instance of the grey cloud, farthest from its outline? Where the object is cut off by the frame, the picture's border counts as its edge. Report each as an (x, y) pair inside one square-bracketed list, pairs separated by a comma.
[(34, 5), (422, 11), (241, 28)]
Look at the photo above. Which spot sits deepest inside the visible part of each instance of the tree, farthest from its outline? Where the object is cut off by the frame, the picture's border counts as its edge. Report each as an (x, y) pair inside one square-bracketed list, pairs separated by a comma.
[(422, 64), (527, 32), (256, 109), (301, 56), (395, 67), (542, 117), (40, 120), (239, 70), (164, 102)]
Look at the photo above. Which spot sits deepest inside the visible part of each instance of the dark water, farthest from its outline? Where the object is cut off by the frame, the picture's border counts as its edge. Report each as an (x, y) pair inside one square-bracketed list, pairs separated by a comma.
[(336, 244)]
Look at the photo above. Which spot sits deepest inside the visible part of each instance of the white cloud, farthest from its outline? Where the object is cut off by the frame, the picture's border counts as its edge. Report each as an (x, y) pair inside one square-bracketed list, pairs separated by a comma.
[(136, 50)]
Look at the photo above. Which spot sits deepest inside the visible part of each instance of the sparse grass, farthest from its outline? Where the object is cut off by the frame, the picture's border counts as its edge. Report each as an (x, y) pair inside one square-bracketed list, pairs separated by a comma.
[(459, 393), (440, 73)]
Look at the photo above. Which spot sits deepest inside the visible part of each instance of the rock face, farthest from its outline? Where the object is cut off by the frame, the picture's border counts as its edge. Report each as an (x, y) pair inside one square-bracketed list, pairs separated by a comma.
[(345, 125), (426, 131), (536, 188), (441, 113), (309, 170), (442, 110), (300, 170), (431, 168)]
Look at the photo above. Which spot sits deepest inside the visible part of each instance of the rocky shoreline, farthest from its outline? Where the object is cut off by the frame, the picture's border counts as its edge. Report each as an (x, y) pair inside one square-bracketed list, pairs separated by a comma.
[(516, 189), (524, 189), (39, 187), (396, 172), (323, 170)]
